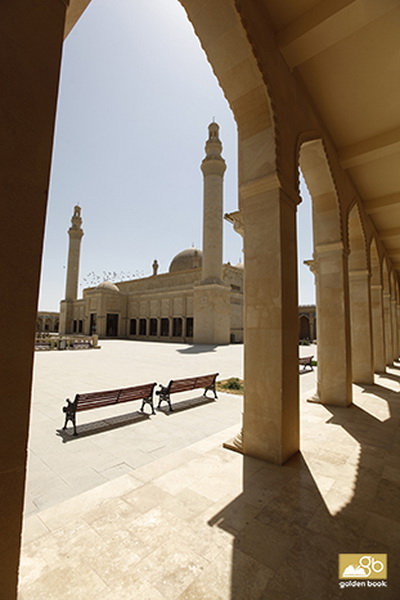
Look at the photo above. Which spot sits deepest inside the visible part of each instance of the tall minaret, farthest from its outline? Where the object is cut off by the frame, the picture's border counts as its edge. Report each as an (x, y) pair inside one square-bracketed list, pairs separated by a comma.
[(211, 297), (75, 233), (213, 167)]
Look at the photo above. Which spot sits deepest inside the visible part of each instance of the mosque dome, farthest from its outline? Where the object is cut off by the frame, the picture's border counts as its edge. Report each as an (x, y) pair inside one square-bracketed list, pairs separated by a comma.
[(186, 260), (239, 265), (107, 286)]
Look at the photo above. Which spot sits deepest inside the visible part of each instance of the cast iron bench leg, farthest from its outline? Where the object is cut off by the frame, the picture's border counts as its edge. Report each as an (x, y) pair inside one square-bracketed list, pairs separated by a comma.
[(148, 401), (212, 389)]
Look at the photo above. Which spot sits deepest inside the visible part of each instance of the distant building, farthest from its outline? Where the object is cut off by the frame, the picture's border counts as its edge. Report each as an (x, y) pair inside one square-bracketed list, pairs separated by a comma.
[(199, 300), (47, 322), (307, 322)]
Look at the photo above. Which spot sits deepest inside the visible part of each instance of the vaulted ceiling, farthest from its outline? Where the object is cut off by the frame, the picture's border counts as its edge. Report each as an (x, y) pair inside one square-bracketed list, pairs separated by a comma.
[(347, 54)]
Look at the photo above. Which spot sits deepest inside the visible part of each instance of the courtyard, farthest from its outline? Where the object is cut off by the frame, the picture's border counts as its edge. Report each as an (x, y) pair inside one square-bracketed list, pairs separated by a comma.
[(155, 508)]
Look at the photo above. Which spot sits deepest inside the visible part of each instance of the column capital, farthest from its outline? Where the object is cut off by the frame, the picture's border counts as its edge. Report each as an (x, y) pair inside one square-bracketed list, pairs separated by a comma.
[(359, 274), (331, 248), (312, 265), (236, 218), (268, 183)]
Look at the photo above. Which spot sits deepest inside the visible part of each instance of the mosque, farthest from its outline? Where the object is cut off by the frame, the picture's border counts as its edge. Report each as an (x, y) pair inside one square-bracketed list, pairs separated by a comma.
[(199, 300)]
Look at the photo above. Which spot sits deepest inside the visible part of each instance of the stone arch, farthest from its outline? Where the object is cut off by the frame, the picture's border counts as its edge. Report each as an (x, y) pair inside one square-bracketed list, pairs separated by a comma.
[(385, 276), (304, 327), (392, 279), (358, 255), (314, 164), (387, 312), (240, 78), (360, 300), (393, 310), (331, 276), (378, 329), (375, 263)]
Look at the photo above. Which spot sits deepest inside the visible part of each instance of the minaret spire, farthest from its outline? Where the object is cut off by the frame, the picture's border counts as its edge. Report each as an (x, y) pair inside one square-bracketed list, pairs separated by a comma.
[(75, 233), (211, 300), (213, 167)]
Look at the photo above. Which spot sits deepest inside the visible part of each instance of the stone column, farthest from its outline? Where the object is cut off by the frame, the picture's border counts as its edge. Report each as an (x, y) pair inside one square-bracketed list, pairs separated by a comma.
[(378, 330), (211, 298), (361, 326), (271, 405), (333, 326), (388, 328), (398, 328), (31, 36), (395, 354)]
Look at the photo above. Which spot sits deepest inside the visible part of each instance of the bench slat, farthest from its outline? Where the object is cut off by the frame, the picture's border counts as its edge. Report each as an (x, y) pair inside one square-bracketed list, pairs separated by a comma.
[(99, 399), (108, 397), (182, 385), (136, 393)]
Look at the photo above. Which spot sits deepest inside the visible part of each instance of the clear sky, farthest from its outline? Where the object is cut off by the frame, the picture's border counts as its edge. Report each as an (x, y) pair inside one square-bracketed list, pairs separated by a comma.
[(136, 98)]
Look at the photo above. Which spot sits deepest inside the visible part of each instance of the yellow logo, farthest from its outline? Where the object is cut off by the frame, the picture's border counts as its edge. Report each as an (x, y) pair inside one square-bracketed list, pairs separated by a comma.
[(362, 566)]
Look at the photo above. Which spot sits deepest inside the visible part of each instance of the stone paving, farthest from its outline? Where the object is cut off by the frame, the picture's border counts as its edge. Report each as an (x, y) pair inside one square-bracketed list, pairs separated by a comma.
[(116, 440), (200, 522)]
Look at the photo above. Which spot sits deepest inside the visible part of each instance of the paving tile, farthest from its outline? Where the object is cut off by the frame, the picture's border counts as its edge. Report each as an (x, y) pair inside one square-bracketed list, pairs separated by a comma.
[(33, 528), (146, 497), (57, 516), (186, 504), (231, 575), (300, 583), (382, 529), (131, 587), (155, 527), (64, 583), (265, 544), (171, 568)]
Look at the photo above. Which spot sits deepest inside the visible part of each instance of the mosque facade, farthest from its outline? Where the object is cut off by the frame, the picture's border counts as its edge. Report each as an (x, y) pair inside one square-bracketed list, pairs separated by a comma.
[(199, 300)]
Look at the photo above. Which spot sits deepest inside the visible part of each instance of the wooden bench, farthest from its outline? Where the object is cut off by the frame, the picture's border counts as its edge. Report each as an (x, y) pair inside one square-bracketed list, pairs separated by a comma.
[(306, 361), (108, 398), (42, 346), (184, 385), (80, 345)]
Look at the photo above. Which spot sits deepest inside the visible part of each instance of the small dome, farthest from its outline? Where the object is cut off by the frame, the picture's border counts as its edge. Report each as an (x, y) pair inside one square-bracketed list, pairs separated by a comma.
[(186, 260), (107, 286), (239, 265)]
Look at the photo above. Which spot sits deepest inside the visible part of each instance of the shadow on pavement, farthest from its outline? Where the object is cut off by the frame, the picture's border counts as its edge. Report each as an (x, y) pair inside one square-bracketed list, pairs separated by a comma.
[(87, 429), (198, 349), (185, 405)]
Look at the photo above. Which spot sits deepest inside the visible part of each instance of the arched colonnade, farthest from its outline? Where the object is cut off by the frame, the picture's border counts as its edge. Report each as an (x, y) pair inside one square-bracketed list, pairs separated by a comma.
[(358, 308), (356, 285)]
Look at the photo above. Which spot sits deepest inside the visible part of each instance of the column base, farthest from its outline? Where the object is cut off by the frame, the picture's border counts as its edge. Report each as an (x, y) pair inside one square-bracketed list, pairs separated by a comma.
[(235, 443), (315, 399), (211, 311)]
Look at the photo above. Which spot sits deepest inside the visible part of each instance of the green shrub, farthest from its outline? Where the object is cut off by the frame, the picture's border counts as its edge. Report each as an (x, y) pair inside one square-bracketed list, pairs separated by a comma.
[(233, 383)]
